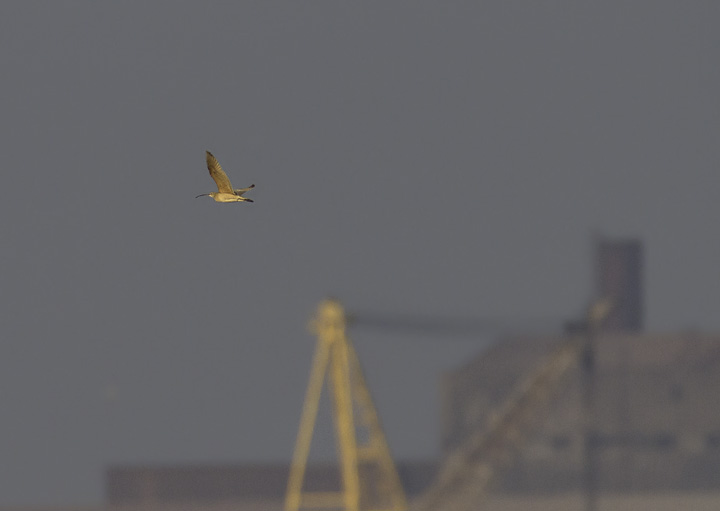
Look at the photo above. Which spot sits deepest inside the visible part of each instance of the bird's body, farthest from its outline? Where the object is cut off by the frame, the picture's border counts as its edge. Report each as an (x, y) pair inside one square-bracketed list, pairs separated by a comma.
[(227, 197), (225, 193)]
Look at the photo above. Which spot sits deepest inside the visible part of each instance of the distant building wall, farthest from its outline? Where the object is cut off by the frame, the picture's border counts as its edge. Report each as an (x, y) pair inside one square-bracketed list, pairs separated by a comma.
[(619, 277), (248, 486), (656, 425)]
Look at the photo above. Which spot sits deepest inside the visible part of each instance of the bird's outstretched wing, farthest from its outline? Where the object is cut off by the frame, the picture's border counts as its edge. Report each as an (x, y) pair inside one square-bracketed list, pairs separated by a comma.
[(217, 173)]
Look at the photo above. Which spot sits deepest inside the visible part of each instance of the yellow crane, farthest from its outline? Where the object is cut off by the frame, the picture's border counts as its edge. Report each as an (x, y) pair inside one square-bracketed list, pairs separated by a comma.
[(369, 479), (225, 193)]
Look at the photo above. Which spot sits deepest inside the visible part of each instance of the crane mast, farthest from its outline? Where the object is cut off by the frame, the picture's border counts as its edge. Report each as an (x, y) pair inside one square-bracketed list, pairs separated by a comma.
[(369, 479)]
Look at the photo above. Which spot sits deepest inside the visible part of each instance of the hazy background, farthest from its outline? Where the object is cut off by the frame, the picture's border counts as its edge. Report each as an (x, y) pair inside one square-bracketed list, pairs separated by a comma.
[(447, 158)]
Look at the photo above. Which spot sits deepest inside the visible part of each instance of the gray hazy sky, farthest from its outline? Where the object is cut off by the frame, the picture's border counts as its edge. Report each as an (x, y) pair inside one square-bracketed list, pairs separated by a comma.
[(447, 158)]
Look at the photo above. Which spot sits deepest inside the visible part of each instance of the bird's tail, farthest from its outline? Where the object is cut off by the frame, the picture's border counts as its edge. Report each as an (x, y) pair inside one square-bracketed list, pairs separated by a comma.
[(240, 191)]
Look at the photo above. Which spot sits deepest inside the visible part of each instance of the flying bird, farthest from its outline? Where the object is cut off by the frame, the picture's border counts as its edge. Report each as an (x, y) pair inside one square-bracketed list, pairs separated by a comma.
[(225, 193)]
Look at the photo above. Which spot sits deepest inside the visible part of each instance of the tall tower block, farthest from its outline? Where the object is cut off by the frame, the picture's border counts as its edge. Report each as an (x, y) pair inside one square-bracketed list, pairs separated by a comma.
[(619, 277)]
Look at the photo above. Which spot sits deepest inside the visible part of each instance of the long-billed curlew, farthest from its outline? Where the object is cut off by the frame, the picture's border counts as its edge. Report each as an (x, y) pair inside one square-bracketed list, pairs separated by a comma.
[(225, 193)]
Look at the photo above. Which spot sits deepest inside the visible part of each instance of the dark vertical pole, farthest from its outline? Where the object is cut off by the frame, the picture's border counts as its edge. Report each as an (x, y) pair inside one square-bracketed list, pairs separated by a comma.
[(589, 448)]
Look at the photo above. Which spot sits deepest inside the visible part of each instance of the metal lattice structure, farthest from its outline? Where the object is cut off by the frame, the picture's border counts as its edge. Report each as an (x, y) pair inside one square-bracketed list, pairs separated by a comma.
[(466, 474), (369, 479)]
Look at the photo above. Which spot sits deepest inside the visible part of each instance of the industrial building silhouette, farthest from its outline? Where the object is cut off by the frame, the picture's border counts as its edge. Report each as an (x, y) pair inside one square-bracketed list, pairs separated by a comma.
[(654, 425)]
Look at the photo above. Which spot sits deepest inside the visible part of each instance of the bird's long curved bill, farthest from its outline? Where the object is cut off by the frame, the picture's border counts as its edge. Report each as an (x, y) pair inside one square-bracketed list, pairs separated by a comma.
[(202, 195)]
